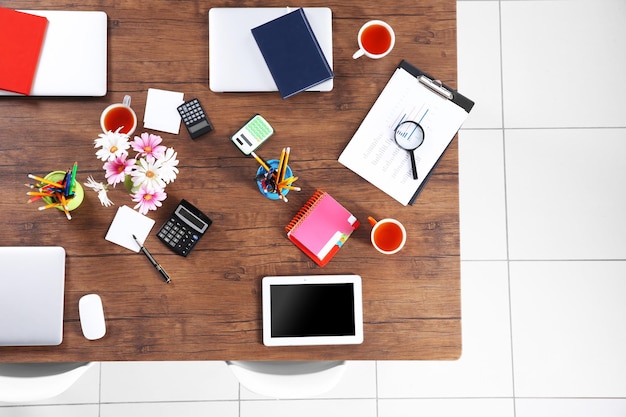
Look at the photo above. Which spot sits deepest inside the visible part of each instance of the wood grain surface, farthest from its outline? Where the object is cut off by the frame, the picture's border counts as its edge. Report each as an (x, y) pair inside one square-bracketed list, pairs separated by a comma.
[(212, 308)]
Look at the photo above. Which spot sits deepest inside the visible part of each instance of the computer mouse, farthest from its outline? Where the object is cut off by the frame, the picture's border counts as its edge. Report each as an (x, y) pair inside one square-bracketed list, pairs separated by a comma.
[(91, 316)]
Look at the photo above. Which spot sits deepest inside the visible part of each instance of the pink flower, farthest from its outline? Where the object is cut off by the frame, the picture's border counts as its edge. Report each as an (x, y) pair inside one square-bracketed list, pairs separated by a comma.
[(148, 199), (117, 169), (148, 144)]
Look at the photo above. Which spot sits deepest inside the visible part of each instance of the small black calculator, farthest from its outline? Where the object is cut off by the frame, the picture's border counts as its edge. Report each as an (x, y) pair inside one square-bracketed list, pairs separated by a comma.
[(194, 118), (184, 228)]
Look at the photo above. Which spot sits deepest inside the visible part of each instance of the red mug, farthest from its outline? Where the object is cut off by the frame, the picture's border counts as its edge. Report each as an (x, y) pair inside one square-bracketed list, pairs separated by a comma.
[(388, 235)]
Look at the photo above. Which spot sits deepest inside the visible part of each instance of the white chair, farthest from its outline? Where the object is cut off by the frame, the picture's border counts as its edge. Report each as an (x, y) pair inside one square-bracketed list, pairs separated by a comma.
[(28, 382), (288, 379)]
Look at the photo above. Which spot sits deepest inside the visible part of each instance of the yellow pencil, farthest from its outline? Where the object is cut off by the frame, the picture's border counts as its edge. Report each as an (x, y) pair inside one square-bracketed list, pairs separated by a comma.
[(64, 205), (260, 161), (45, 181), (284, 170), (290, 187), (288, 181), (49, 206), (40, 193), (280, 165)]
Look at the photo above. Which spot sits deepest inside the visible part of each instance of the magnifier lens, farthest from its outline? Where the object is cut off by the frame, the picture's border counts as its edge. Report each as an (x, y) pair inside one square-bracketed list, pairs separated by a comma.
[(409, 135)]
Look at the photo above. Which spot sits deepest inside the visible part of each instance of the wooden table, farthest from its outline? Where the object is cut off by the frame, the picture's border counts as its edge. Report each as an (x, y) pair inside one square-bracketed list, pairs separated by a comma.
[(212, 309)]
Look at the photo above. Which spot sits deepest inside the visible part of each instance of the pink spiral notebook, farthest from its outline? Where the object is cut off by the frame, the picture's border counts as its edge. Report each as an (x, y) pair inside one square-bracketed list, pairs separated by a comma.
[(321, 227)]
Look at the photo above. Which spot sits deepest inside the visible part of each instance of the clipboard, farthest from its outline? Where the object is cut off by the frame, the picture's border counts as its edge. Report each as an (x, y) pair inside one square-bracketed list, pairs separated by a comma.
[(410, 95)]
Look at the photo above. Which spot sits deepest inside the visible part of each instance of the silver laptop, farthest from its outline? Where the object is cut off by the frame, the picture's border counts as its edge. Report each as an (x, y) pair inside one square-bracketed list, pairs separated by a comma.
[(73, 60), (32, 288), (235, 61)]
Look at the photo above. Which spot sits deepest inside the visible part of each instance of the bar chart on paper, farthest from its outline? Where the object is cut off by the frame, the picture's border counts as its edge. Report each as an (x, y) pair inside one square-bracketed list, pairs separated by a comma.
[(373, 152)]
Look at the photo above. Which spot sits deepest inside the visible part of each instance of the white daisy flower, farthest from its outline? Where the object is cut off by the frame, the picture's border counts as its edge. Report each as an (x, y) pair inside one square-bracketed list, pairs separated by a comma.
[(167, 168), (112, 145), (146, 172)]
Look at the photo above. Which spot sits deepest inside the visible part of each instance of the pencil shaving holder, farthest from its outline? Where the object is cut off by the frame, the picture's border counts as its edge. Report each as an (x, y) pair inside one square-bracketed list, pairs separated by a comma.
[(262, 184), (72, 203)]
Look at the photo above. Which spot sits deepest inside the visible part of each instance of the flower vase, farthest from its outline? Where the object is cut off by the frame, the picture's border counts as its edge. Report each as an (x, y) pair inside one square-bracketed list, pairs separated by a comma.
[(128, 184)]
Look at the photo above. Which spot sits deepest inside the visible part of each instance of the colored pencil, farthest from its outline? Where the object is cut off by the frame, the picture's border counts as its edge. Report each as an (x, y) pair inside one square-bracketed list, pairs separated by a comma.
[(45, 181), (64, 205), (260, 161), (47, 206), (281, 161)]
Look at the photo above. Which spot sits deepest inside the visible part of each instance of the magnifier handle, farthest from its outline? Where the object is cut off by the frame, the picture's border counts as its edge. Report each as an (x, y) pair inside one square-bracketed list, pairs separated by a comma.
[(413, 166)]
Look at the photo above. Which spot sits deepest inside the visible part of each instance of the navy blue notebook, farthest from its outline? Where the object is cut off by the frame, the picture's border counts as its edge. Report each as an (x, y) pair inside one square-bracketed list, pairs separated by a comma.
[(292, 53)]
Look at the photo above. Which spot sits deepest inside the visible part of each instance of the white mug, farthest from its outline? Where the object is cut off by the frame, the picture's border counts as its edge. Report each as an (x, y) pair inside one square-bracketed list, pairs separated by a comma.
[(388, 236), (376, 39), (119, 115)]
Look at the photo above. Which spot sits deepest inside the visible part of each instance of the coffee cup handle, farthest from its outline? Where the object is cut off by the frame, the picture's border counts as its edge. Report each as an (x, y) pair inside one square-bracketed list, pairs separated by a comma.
[(371, 220), (126, 101), (358, 54)]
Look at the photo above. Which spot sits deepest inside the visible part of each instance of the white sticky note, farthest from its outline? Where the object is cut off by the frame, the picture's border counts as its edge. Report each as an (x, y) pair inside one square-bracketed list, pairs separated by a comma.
[(161, 113), (126, 223)]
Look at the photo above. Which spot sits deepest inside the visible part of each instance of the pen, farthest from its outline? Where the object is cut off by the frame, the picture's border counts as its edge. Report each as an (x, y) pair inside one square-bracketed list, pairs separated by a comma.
[(153, 261)]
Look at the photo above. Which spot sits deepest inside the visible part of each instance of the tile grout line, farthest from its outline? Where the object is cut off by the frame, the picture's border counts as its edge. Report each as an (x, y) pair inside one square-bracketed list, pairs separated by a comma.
[(506, 206), (376, 385), (99, 389)]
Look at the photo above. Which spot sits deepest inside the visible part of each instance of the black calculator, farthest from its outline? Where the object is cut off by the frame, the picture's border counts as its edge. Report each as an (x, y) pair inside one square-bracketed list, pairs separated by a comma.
[(184, 228), (194, 118)]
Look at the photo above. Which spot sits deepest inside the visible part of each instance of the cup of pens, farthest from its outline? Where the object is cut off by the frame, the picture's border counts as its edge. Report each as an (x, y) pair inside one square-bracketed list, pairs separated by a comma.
[(267, 180), (274, 177), (58, 189)]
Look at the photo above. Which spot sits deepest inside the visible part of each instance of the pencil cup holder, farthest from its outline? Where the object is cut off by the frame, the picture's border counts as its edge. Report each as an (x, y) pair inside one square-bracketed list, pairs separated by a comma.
[(72, 203), (266, 184)]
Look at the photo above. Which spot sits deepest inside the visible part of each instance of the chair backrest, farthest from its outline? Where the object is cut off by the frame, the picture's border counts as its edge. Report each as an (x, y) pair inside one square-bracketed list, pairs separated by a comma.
[(288, 379), (27, 382)]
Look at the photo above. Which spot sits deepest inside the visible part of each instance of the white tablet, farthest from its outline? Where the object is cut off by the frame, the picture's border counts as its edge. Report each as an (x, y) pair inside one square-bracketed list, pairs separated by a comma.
[(312, 310)]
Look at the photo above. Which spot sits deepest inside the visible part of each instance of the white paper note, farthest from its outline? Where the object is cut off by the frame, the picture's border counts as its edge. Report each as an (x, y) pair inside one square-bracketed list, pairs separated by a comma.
[(161, 113), (128, 222)]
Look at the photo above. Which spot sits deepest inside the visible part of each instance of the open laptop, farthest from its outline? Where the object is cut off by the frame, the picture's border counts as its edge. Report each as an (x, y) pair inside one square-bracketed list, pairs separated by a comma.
[(73, 60), (235, 61), (32, 283)]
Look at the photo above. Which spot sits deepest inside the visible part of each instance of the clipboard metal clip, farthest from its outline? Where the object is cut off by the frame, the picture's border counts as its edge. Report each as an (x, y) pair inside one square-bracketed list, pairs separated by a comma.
[(436, 86)]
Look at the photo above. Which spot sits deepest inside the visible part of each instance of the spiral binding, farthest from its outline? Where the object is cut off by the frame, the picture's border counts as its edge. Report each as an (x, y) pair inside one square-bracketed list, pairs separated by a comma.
[(305, 210)]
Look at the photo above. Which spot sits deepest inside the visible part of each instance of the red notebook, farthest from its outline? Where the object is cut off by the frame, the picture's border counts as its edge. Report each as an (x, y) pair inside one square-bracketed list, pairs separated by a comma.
[(321, 227), (21, 40)]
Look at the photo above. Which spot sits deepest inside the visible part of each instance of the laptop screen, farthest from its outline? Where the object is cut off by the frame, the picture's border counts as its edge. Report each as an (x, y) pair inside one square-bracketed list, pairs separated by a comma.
[(31, 301)]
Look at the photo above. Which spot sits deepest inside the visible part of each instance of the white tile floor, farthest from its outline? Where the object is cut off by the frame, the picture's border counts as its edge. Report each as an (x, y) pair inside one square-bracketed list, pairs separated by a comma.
[(543, 246)]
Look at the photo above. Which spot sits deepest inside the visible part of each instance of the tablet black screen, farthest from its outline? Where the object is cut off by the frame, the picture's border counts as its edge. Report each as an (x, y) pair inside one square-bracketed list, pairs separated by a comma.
[(312, 310)]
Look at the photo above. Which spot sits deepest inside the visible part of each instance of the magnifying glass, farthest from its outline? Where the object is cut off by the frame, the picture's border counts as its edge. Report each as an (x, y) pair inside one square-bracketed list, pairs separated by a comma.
[(409, 135)]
